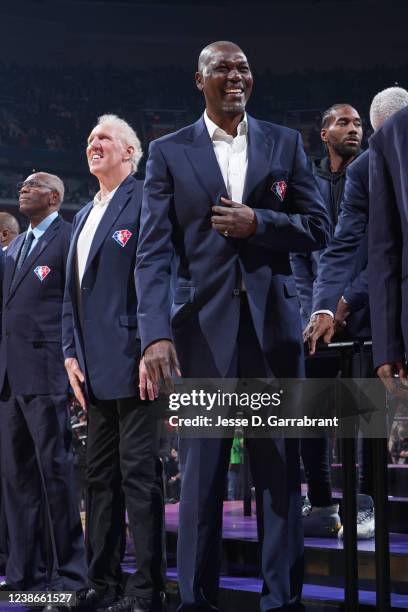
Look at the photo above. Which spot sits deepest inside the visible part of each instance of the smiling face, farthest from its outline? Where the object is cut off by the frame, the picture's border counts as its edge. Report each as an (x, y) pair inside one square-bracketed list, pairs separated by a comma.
[(225, 79), (105, 151), (344, 132)]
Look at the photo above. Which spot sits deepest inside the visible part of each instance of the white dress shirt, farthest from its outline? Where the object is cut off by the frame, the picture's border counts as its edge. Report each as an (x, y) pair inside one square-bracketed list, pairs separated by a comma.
[(88, 231), (232, 156)]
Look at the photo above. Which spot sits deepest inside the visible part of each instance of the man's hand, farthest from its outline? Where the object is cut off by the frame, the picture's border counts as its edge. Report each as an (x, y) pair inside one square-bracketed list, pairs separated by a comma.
[(233, 220), (342, 312), (390, 373), (320, 326), (145, 384), (161, 361), (76, 379)]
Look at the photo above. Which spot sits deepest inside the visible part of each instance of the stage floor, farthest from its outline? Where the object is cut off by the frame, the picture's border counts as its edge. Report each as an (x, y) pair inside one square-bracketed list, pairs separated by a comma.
[(239, 533), (239, 527)]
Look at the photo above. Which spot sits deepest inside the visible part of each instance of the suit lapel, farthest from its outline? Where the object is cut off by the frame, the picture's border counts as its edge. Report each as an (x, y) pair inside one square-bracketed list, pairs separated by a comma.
[(115, 207), (260, 150), (42, 244), (200, 151), (72, 248)]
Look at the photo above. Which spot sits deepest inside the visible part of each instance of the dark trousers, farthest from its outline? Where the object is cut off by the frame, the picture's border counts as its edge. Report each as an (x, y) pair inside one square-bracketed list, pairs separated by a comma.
[(316, 451), (275, 471), (123, 470), (3, 530), (37, 475)]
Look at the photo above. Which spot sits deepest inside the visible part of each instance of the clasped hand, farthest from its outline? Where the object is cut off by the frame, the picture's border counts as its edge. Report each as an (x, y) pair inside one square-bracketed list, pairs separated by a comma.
[(233, 220)]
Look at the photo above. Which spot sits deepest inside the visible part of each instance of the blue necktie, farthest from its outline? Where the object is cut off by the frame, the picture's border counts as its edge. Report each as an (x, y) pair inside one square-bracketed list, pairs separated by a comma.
[(22, 257)]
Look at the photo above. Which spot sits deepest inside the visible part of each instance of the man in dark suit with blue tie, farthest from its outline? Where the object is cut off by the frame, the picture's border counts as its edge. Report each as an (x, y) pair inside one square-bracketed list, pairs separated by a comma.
[(102, 350), (37, 462), (234, 311)]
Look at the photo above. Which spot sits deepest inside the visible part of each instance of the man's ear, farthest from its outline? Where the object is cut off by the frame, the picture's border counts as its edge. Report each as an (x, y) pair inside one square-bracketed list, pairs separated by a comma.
[(129, 152), (199, 80), (54, 199), (323, 134)]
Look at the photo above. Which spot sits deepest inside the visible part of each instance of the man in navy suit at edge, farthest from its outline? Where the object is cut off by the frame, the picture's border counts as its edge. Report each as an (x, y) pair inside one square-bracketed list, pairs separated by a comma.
[(37, 462), (102, 349), (340, 293), (387, 249), (9, 229), (3, 523), (235, 311)]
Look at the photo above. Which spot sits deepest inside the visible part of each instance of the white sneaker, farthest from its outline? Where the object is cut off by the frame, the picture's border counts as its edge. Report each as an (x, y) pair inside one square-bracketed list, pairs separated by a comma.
[(321, 522), (306, 506), (365, 518)]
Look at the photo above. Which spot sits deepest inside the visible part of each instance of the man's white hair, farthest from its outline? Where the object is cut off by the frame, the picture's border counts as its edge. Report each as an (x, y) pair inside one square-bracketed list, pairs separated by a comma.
[(54, 182), (386, 103), (127, 135)]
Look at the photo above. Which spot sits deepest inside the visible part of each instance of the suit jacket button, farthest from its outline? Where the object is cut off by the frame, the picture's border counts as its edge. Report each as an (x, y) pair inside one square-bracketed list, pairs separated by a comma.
[(236, 292)]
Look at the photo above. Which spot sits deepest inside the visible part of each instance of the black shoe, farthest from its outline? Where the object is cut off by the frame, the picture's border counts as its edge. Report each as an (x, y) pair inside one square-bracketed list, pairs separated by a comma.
[(159, 603), (125, 604), (91, 599), (139, 604)]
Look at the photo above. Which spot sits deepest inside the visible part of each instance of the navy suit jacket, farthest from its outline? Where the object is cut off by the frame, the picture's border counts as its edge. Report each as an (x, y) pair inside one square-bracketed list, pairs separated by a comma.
[(343, 265), (31, 351), (388, 240), (183, 182), (102, 332), (2, 258)]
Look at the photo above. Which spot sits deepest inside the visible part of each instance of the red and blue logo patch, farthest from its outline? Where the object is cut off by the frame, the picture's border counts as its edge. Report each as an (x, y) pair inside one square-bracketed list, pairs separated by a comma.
[(42, 272), (279, 189), (122, 237)]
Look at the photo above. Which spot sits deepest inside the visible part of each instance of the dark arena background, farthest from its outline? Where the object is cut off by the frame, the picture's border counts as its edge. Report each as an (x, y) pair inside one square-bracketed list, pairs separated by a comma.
[(65, 62)]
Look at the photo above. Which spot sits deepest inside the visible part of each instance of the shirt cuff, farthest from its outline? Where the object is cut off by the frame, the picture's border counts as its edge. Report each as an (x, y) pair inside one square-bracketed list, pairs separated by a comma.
[(328, 312)]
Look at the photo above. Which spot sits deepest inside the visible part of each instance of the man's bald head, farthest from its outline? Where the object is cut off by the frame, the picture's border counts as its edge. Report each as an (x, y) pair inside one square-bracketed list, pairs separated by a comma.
[(53, 182), (215, 47), (9, 228), (40, 195)]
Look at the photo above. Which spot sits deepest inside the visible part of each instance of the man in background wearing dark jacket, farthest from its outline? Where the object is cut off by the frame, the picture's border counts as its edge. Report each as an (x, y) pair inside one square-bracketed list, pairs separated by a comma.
[(341, 131), (342, 283)]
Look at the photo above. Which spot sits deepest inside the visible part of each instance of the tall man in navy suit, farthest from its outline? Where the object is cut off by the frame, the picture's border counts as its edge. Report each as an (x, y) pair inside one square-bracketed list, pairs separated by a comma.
[(102, 350), (37, 462), (234, 308), (387, 248)]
